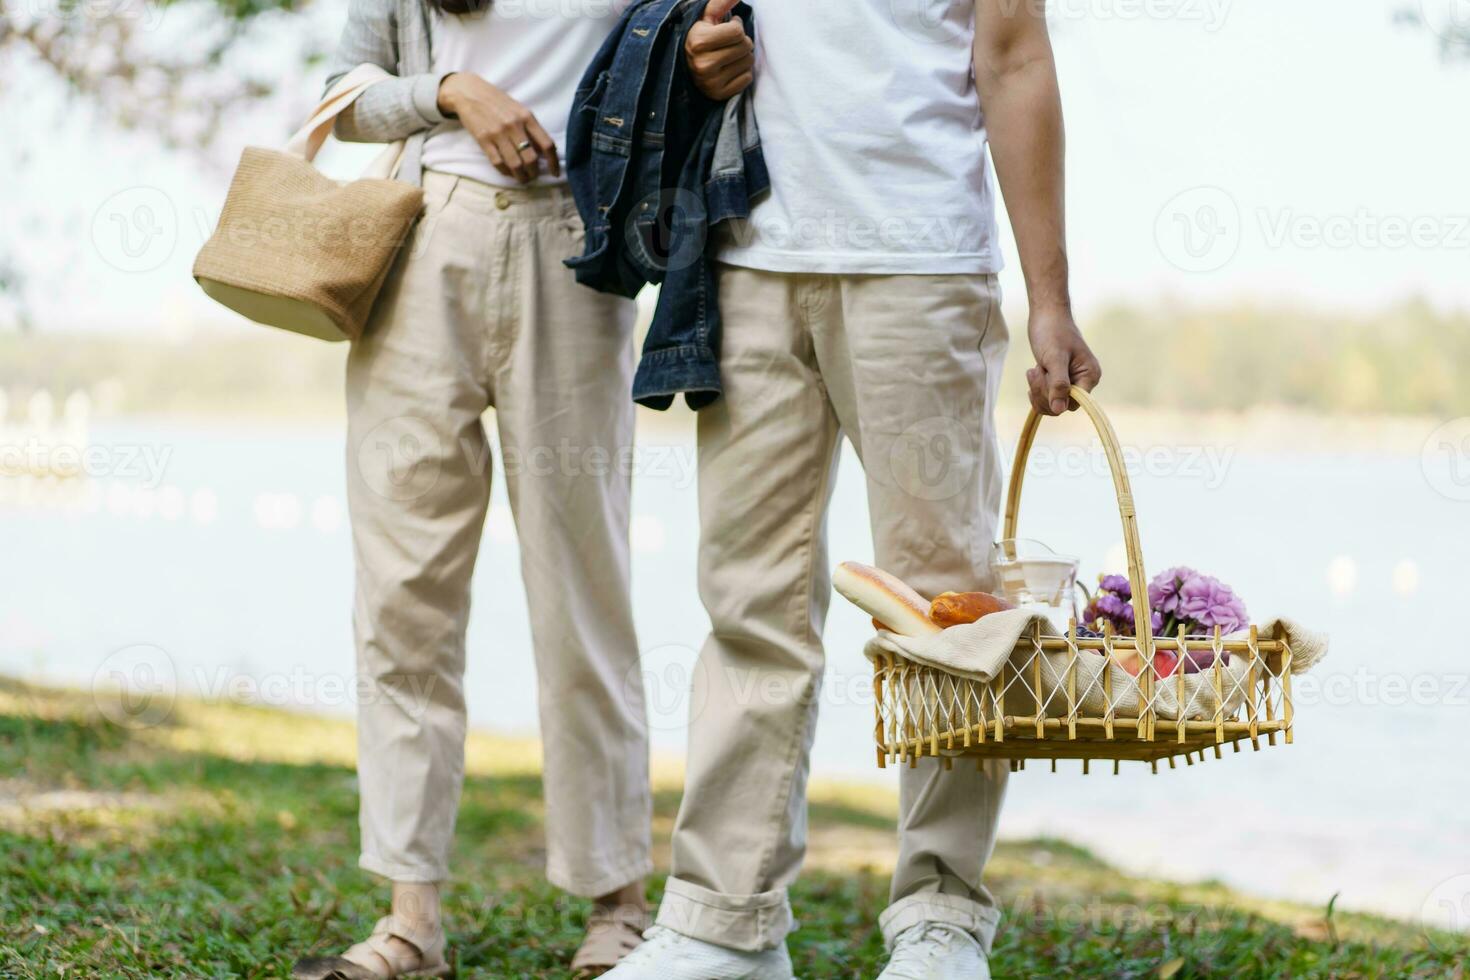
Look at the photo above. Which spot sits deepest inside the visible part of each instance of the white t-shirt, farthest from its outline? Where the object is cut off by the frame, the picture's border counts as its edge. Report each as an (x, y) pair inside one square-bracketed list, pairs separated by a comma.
[(533, 50), (874, 139)]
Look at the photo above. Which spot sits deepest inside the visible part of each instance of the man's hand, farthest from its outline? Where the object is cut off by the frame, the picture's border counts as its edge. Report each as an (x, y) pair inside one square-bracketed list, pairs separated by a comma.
[(508, 132), (721, 58), (1063, 359)]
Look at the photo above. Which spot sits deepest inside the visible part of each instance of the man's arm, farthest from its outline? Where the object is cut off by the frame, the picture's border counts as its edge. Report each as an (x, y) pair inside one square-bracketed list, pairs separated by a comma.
[(1016, 79)]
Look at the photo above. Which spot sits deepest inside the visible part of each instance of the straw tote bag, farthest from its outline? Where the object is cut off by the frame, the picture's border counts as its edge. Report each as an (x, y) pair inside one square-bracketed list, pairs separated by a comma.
[(296, 250)]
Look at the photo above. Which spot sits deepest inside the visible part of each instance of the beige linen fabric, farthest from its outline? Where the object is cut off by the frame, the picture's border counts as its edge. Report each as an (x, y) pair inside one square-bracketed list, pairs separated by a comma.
[(479, 311), (907, 368)]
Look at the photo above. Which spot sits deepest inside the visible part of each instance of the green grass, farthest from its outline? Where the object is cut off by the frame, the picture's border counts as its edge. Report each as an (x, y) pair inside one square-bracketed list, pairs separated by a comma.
[(223, 843)]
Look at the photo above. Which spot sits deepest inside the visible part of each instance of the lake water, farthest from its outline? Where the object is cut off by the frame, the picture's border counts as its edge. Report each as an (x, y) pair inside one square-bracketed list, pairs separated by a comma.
[(229, 564)]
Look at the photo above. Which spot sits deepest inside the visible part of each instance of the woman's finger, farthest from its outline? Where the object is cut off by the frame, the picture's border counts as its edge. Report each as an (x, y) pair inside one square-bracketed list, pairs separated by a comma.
[(493, 154), (545, 145), (514, 159)]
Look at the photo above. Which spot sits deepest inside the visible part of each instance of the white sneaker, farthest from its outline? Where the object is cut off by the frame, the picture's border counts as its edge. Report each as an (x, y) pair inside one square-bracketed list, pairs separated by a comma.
[(936, 951), (667, 955)]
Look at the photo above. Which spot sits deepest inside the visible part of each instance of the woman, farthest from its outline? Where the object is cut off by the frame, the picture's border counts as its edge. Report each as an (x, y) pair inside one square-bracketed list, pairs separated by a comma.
[(478, 312)]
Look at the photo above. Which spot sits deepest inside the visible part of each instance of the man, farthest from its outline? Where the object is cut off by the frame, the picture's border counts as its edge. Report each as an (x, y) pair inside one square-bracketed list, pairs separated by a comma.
[(861, 299)]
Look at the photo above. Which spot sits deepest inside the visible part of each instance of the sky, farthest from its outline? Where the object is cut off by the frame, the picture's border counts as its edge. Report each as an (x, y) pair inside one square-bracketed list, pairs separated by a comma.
[(1307, 154)]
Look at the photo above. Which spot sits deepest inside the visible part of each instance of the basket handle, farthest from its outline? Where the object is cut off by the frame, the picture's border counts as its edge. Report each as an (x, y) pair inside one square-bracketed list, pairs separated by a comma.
[(1143, 628)]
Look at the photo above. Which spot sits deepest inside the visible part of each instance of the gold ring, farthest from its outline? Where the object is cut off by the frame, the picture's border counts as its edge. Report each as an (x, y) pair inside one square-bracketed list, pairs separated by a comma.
[(525, 145)]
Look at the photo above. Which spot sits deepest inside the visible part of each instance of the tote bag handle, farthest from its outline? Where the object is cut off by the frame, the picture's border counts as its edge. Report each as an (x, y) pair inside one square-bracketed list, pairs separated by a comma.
[(307, 141)]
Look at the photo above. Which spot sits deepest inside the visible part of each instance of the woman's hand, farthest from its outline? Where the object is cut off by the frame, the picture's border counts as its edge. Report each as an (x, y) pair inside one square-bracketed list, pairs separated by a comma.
[(507, 131), (720, 56)]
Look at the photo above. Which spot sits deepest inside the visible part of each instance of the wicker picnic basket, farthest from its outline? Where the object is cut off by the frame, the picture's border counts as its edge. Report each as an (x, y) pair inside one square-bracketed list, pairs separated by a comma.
[(1067, 697)]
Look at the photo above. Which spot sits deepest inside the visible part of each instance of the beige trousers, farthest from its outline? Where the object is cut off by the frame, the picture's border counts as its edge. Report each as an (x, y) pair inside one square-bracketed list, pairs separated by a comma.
[(480, 312), (907, 368)]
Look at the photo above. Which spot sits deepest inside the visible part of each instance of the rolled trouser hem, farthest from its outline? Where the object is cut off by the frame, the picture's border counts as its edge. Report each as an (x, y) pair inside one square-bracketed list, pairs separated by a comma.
[(745, 922), (416, 873), (978, 920), (604, 884)]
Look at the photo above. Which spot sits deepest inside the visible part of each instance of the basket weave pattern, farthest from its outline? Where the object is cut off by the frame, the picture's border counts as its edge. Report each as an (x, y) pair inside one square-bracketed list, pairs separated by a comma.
[(1069, 697)]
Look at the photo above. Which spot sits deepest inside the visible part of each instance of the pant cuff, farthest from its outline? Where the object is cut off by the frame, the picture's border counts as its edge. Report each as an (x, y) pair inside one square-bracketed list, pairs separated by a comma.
[(597, 885), (745, 922), (978, 920), (416, 873)]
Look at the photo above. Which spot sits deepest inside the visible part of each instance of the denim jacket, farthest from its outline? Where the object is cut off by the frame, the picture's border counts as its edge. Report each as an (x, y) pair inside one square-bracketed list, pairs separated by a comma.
[(654, 166)]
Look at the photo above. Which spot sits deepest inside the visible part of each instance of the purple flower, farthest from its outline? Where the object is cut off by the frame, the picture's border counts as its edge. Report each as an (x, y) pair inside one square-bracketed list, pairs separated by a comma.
[(1116, 584), (1163, 591), (1207, 602), (1107, 606), (1113, 607)]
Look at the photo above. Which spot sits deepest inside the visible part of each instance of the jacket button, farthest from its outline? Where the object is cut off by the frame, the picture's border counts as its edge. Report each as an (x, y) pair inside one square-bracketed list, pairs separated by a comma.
[(502, 200)]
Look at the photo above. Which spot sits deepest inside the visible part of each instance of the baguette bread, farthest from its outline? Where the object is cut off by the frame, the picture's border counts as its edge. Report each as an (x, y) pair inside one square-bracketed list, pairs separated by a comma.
[(887, 599), (958, 608)]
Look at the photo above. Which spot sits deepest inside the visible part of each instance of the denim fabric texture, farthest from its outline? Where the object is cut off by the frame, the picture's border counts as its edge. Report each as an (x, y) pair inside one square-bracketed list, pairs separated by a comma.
[(654, 166)]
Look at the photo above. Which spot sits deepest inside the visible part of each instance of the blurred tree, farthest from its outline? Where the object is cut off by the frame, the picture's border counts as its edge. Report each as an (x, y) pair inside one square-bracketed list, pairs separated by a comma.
[(178, 70), (163, 67)]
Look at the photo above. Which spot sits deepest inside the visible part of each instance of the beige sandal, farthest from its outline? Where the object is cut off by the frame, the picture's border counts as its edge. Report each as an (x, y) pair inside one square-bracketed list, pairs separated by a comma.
[(425, 960), (611, 935)]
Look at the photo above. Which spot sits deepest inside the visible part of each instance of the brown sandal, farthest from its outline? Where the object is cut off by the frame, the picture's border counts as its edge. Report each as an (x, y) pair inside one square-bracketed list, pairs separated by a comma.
[(426, 959), (611, 935)]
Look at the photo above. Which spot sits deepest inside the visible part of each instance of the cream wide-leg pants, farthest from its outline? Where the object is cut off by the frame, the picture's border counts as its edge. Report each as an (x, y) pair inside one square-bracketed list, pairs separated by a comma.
[(907, 368), (480, 312)]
